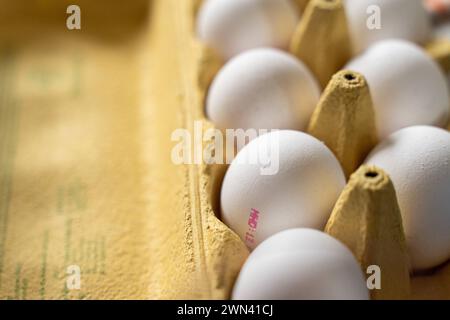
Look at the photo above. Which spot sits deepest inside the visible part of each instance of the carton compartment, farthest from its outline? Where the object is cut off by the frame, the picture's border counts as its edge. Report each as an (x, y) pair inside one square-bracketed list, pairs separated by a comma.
[(366, 217), (153, 227)]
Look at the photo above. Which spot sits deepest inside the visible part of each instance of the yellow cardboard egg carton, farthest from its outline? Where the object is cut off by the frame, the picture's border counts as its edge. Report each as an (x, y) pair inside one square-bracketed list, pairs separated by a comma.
[(367, 216), (87, 179)]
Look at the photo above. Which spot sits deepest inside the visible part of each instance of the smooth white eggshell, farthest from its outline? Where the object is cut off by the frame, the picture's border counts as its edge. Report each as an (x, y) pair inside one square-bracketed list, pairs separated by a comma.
[(312, 265), (299, 240), (418, 161), (234, 26), (263, 89), (407, 86), (301, 193), (399, 19)]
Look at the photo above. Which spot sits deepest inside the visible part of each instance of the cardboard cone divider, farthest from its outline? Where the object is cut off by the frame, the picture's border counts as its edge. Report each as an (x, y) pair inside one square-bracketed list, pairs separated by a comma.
[(301, 5), (366, 217), (345, 120), (440, 51), (322, 19)]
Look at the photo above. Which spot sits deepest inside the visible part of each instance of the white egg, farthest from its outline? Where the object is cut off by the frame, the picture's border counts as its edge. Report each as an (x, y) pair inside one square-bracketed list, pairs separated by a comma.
[(374, 20), (408, 88), (298, 240), (263, 89), (294, 182), (234, 26), (301, 264), (418, 161)]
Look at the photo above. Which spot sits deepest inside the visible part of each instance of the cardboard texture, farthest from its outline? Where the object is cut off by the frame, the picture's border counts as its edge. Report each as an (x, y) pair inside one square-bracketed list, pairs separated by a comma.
[(367, 219), (345, 121), (322, 19), (72, 190), (87, 179), (72, 193), (345, 109), (301, 4), (209, 63), (440, 51), (87, 175)]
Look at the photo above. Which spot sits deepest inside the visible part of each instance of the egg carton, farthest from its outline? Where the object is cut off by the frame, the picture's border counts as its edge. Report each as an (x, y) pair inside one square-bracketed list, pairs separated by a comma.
[(366, 217)]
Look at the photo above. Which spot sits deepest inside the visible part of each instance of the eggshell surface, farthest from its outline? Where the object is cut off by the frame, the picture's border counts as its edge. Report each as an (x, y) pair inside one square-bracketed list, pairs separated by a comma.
[(296, 185), (375, 20), (299, 240), (407, 86), (316, 266), (418, 162), (263, 89), (231, 27)]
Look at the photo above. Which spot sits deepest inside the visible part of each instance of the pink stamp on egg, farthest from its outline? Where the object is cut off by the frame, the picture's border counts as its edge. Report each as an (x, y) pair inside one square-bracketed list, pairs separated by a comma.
[(252, 224)]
